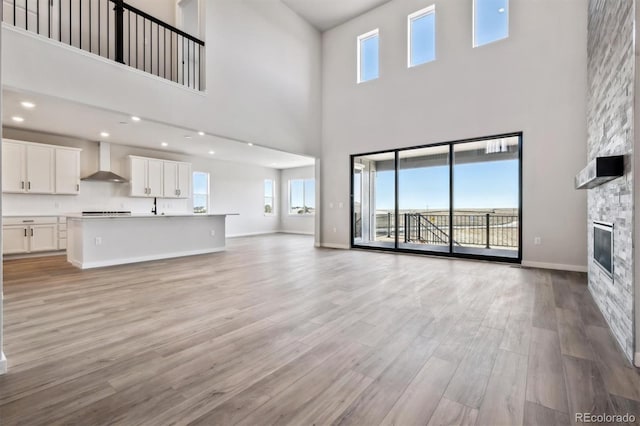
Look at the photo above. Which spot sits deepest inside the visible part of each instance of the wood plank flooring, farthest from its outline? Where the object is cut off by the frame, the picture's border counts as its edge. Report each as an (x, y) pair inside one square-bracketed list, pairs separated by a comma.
[(275, 331)]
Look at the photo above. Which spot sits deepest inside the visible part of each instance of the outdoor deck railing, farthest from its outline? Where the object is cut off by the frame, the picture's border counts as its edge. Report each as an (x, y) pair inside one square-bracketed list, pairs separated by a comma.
[(482, 230), (114, 30)]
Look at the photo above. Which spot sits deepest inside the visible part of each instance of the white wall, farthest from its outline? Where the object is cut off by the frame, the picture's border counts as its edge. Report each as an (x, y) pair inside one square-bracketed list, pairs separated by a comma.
[(165, 10), (535, 82), (262, 77), (296, 224), (235, 188)]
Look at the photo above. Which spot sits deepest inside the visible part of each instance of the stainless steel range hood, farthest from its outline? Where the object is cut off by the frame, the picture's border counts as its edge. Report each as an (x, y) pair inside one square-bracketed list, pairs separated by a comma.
[(104, 174)]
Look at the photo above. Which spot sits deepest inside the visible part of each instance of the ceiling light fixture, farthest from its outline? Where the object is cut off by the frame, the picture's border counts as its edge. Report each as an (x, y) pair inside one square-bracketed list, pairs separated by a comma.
[(17, 119), (188, 137), (164, 144), (201, 133), (104, 134), (501, 10), (134, 118), (250, 144), (28, 105), (211, 152)]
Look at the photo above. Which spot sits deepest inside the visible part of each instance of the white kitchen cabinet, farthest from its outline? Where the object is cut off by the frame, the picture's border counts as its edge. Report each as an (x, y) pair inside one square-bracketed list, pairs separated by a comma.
[(43, 237), (30, 235), (14, 239), (27, 167), (62, 233), (184, 180), (33, 168), (14, 171), (146, 177), (138, 177), (67, 171), (155, 179), (40, 169), (177, 179)]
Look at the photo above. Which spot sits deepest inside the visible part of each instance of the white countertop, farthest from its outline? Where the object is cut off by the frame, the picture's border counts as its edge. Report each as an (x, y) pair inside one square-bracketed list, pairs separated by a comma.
[(148, 215)]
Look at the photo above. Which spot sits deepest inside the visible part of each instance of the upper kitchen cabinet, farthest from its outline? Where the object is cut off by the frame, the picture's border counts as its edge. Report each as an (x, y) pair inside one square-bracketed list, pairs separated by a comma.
[(177, 179), (27, 168), (33, 168), (146, 177), (67, 171)]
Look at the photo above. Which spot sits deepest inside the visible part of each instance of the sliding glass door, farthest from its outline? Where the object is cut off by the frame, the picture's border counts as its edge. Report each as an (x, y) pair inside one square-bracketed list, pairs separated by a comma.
[(457, 198), (486, 217), (423, 199), (373, 200)]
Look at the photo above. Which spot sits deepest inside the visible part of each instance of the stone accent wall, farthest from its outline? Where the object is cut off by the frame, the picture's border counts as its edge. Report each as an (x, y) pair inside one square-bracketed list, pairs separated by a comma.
[(610, 109)]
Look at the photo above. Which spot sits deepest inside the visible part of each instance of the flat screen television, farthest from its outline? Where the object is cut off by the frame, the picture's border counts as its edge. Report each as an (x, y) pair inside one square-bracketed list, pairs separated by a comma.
[(603, 246)]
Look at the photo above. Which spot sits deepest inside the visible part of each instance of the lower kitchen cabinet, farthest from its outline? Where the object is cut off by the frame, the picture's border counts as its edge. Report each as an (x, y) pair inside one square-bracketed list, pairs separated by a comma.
[(30, 235)]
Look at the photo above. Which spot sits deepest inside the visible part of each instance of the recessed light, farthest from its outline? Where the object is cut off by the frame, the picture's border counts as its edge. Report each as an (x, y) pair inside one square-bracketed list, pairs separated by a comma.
[(17, 119), (201, 133), (211, 152), (104, 134), (250, 144), (501, 10), (164, 144), (188, 137), (28, 105), (134, 118)]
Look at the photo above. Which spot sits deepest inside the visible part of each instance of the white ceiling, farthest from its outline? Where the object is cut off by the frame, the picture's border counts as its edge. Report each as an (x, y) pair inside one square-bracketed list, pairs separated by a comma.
[(326, 14), (75, 120)]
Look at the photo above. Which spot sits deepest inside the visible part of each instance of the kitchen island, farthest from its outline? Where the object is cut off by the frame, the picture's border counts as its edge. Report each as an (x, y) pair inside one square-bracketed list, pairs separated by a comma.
[(96, 241)]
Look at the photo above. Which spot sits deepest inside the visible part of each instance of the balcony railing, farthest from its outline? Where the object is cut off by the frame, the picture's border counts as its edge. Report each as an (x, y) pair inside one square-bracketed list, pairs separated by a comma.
[(115, 30), (477, 230)]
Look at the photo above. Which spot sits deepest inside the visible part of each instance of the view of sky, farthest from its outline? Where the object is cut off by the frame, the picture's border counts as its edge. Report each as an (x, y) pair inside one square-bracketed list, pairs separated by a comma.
[(491, 24), (369, 65), (423, 39), (268, 188), (302, 193), (200, 186), (491, 184), (492, 21)]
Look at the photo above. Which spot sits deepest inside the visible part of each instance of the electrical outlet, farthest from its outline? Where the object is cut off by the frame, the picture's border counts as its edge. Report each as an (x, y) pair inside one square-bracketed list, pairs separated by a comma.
[(335, 230), (340, 205), (537, 241), (330, 205), (98, 241), (213, 232), (56, 205)]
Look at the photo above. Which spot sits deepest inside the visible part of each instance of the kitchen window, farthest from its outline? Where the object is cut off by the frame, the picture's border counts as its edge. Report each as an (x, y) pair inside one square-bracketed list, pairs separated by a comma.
[(201, 192), (269, 197), (302, 197)]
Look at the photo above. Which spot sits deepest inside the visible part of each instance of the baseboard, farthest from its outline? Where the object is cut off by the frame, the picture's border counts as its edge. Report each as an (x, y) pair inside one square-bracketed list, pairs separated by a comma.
[(252, 234), (335, 246), (296, 232), (113, 262), (3, 363), (556, 266), (34, 255)]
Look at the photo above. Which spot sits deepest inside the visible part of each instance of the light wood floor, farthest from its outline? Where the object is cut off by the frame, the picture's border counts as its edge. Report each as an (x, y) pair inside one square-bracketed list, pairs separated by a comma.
[(274, 331)]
